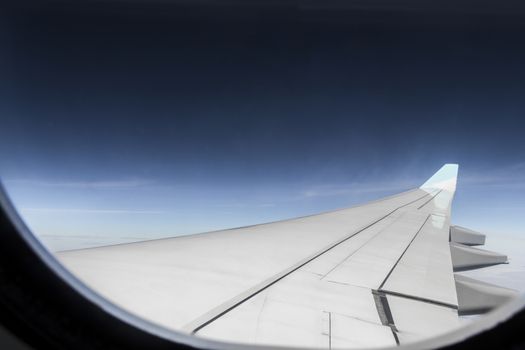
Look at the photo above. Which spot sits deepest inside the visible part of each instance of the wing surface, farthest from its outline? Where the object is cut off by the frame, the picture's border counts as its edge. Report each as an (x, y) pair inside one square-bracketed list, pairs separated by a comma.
[(378, 274)]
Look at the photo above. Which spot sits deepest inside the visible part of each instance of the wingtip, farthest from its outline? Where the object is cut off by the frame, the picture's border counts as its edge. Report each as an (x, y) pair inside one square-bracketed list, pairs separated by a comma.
[(444, 179)]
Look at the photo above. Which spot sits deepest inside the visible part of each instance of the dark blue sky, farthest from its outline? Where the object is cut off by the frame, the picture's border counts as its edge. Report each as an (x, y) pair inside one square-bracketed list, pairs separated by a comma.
[(139, 121)]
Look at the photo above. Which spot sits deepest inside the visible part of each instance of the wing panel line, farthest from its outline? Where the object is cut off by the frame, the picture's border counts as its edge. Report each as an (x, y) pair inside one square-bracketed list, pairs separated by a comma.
[(361, 246), (215, 313), (404, 251), (430, 200)]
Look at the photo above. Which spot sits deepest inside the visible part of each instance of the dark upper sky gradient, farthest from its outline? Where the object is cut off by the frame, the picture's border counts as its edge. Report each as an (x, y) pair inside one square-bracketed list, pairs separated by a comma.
[(270, 111)]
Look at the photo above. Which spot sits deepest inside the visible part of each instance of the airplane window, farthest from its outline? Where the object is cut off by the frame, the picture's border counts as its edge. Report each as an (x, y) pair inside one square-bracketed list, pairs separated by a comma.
[(304, 175)]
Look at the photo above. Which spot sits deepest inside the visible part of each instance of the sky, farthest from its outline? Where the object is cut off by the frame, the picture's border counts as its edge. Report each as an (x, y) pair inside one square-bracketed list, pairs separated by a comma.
[(134, 122)]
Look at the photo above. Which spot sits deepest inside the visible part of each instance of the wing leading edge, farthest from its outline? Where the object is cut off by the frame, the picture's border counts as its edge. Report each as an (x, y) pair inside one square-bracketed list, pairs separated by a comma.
[(373, 275)]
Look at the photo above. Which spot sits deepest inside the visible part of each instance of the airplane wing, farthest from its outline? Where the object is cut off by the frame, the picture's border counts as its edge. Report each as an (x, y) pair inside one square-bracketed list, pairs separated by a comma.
[(379, 274)]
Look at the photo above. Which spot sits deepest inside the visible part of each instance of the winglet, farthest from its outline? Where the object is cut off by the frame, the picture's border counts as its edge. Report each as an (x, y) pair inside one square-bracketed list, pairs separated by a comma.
[(444, 179)]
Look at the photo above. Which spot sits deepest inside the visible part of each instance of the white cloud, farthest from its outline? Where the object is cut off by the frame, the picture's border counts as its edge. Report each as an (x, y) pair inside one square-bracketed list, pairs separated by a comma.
[(354, 188), (508, 177), (81, 184), (90, 211)]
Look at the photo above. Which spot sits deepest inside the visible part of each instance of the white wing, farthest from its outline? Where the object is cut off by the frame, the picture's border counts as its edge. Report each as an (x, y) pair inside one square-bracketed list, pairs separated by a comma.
[(373, 275)]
